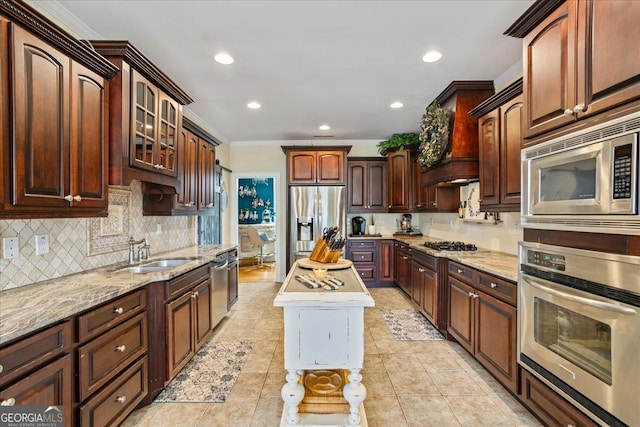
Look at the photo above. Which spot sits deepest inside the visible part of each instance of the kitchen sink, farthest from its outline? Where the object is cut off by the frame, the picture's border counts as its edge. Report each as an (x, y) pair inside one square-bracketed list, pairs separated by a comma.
[(156, 265)]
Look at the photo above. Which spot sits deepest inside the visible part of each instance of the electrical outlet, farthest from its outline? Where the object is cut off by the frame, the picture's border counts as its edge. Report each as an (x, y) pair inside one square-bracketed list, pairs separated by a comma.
[(158, 228), (42, 244), (10, 247), (516, 228)]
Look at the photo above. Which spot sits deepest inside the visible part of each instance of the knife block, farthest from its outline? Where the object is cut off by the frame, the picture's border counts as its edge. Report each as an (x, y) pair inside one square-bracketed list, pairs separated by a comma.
[(322, 253)]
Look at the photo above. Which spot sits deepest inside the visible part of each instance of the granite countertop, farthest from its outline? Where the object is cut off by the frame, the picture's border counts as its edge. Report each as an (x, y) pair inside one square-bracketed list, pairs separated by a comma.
[(28, 308), (498, 263)]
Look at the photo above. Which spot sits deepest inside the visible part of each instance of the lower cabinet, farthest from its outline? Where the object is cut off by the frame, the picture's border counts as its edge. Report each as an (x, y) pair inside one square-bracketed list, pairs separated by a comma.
[(425, 284), (483, 319), (550, 407), (403, 268), (373, 259), (386, 261)]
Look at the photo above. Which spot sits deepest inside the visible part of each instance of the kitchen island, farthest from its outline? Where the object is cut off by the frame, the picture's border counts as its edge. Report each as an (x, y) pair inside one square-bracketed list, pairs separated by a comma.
[(323, 334)]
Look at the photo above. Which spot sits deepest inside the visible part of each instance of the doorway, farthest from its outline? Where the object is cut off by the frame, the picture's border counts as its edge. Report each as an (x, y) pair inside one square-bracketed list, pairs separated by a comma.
[(256, 222)]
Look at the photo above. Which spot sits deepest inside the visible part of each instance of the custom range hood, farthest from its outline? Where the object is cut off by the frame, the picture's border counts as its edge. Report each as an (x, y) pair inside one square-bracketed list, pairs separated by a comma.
[(460, 164)]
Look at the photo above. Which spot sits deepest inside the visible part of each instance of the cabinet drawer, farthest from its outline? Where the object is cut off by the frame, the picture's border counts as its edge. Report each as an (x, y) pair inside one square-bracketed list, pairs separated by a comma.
[(366, 272), (110, 314), (425, 260), (29, 353), (186, 281), (100, 359), (460, 271), (112, 404), (354, 244), (363, 256), (499, 288)]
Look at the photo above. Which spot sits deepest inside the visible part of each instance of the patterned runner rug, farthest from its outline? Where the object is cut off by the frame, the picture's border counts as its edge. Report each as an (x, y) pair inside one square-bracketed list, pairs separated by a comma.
[(410, 325), (210, 375)]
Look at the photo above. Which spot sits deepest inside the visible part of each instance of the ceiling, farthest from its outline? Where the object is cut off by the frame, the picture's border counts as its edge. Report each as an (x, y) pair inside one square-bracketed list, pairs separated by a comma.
[(308, 63)]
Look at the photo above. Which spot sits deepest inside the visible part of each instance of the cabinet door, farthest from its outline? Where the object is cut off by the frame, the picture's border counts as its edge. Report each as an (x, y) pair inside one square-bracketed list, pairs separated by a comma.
[(180, 337), (50, 385), (549, 71), (207, 168), (188, 171), (89, 150), (41, 123), (302, 167), (376, 188), (330, 167), (167, 143), (510, 145), (420, 196), (495, 338), (385, 261), (144, 105), (204, 322), (461, 313), (489, 158), (609, 71), (403, 264), (399, 164), (233, 284), (357, 186), (429, 293), (417, 282)]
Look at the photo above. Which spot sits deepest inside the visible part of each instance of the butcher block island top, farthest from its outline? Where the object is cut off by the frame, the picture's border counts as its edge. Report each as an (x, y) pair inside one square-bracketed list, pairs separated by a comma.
[(323, 349)]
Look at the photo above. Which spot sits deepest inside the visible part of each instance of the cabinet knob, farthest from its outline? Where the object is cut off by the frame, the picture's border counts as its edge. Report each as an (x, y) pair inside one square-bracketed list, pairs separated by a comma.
[(194, 295), (460, 271), (121, 399), (70, 198), (405, 257), (579, 108), (121, 348), (421, 270), (210, 205), (389, 206), (493, 285), (433, 203), (118, 310), (568, 112), (410, 250), (1, 368), (8, 402), (419, 205)]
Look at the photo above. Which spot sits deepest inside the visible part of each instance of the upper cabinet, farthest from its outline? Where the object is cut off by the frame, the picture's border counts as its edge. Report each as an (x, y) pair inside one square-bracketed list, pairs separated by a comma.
[(500, 141), (316, 165), (577, 60), (366, 184), (145, 118), (54, 147), (400, 184)]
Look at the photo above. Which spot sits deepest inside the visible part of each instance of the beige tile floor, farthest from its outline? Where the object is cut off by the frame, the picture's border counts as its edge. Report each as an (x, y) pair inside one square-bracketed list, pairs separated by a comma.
[(409, 383)]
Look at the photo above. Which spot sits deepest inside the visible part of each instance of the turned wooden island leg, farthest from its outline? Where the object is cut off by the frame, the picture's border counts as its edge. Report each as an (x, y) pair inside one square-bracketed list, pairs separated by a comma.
[(354, 392), (292, 394)]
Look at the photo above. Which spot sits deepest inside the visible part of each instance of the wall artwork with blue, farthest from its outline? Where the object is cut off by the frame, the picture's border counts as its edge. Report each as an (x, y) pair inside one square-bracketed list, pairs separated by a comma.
[(255, 201)]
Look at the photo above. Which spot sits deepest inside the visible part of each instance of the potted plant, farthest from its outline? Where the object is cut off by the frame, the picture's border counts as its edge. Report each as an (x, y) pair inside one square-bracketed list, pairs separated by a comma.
[(372, 225), (398, 141)]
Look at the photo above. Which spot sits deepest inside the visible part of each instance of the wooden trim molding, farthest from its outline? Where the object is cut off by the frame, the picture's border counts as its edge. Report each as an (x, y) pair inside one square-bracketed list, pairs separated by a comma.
[(532, 17), (497, 100), (192, 126), (125, 50), (464, 85), (82, 52), (287, 148)]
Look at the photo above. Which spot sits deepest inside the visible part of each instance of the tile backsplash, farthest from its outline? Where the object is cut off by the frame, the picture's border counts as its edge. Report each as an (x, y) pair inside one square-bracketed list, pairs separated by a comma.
[(78, 244)]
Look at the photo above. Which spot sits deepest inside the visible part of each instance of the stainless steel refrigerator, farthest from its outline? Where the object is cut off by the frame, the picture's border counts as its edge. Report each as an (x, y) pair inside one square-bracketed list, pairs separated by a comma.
[(311, 210)]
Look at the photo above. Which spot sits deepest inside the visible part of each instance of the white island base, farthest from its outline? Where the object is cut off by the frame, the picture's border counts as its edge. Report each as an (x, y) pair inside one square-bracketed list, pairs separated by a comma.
[(324, 420)]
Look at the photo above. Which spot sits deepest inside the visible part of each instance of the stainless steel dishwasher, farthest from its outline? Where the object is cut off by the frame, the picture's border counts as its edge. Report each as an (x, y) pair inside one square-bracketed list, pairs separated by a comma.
[(220, 287)]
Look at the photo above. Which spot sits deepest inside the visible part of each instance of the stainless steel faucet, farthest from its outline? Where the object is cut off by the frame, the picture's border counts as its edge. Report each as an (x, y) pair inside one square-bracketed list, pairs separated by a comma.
[(144, 250)]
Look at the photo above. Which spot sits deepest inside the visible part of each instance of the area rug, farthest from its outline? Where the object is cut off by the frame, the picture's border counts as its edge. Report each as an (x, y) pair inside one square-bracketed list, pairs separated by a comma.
[(410, 325), (210, 375)]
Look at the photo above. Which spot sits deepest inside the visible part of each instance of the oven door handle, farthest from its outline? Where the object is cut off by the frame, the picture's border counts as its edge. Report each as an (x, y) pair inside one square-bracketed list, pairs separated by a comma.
[(582, 300)]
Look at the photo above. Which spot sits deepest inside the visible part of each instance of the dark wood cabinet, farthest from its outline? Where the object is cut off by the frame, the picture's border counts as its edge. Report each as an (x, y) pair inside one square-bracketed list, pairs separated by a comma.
[(576, 62), (400, 184), (386, 258), (145, 118), (180, 338), (500, 140), (424, 276), (364, 254), (312, 165), (55, 148), (206, 175), (403, 268), (483, 319), (187, 198), (366, 185)]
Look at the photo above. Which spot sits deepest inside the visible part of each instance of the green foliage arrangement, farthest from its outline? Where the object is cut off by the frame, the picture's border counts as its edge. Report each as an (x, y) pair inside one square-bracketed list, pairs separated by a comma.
[(434, 136), (373, 220), (399, 141)]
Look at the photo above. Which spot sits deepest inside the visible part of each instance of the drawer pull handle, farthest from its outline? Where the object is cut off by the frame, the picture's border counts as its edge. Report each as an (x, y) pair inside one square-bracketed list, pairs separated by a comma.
[(194, 295), (460, 271), (493, 285), (121, 399), (421, 270), (118, 310), (9, 402), (1, 368), (405, 257), (121, 348)]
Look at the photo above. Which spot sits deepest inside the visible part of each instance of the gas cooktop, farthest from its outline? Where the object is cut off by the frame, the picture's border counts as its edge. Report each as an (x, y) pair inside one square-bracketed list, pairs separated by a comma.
[(451, 246)]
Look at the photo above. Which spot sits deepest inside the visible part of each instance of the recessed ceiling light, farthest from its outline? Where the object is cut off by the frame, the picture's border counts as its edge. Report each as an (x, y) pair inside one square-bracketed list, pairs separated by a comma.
[(396, 104), (324, 127), (432, 56), (224, 58), (254, 105)]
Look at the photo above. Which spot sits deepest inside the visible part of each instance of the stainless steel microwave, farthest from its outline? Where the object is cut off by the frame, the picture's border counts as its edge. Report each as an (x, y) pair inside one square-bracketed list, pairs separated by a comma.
[(584, 181)]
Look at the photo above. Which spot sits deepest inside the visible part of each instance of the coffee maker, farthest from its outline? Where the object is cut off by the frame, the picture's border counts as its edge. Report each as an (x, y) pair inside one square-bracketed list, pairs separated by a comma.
[(358, 225)]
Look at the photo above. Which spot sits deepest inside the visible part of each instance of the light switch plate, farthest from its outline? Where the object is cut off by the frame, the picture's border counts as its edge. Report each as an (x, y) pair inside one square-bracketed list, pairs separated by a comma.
[(42, 244), (10, 247)]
